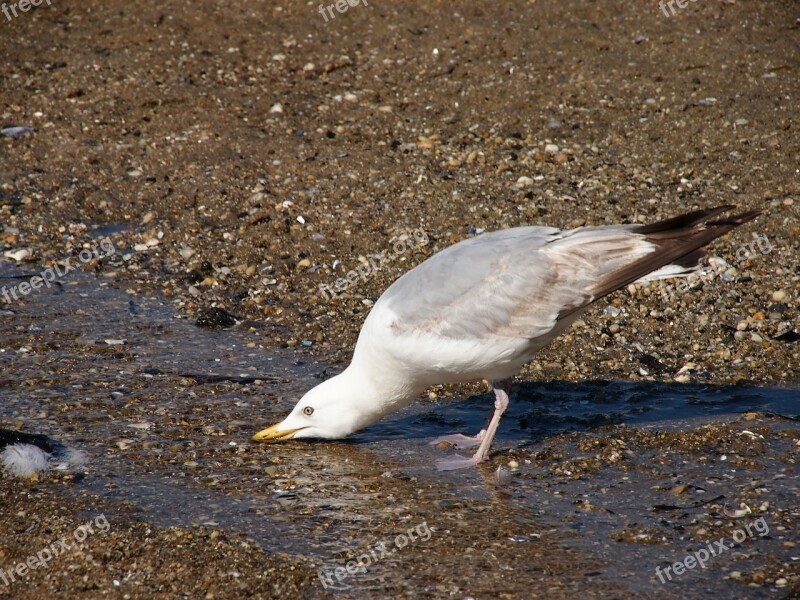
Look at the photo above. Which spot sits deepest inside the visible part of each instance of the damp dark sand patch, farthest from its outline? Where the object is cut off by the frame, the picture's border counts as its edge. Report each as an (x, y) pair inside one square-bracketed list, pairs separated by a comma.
[(610, 479)]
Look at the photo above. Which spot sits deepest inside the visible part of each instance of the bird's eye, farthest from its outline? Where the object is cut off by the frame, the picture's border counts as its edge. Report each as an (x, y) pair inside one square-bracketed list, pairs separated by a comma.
[(308, 411)]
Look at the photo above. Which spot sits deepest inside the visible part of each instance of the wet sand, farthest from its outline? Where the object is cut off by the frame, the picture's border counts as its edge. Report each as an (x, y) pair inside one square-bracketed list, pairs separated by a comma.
[(245, 157)]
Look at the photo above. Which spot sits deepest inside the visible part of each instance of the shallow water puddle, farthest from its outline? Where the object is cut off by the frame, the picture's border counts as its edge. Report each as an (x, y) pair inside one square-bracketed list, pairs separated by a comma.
[(166, 410)]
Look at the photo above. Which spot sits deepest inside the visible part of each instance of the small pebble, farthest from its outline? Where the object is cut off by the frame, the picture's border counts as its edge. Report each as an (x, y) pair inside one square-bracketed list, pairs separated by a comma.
[(560, 158), (15, 132), (18, 255), (502, 476)]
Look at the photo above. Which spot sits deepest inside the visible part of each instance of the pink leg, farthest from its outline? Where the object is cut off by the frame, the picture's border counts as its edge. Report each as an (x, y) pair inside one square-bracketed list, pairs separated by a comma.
[(501, 391)]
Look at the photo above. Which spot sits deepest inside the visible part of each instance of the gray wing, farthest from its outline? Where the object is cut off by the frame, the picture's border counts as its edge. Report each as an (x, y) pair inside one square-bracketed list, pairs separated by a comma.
[(509, 283), (521, 282)]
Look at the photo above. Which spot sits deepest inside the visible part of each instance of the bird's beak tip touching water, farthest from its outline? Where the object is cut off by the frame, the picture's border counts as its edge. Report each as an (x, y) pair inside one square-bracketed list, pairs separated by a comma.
[(275, 433)]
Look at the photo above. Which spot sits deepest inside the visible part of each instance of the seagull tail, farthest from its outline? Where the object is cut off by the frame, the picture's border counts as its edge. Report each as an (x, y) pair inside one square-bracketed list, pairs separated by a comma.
[(670, 228), (680, 243)]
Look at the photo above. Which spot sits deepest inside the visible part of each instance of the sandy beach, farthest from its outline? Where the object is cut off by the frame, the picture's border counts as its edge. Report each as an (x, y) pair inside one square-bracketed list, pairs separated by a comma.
[(212, 197)]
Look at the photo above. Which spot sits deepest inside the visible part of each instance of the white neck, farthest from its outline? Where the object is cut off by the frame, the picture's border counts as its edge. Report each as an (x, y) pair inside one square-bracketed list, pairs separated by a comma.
[(373, 389)]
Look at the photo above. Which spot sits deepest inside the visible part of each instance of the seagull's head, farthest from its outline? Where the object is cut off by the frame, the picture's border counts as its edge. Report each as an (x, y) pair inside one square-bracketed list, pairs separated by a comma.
[(328, 411)]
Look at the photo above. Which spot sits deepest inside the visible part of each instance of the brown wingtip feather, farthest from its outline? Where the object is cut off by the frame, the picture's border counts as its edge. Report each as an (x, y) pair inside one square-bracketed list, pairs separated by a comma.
[(685, 220)]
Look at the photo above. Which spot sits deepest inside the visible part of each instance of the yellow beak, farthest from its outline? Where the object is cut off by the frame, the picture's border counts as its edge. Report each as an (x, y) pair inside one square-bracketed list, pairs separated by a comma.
[(273, 434)]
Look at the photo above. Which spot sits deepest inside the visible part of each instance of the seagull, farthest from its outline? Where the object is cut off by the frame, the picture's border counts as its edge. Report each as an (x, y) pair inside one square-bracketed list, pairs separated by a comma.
[(481, 309)]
